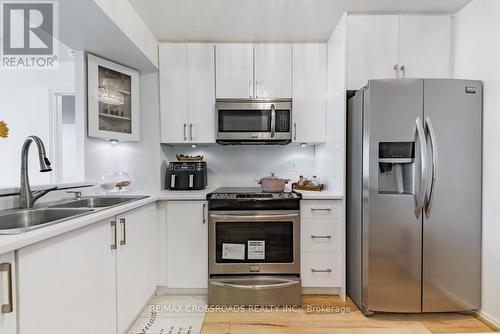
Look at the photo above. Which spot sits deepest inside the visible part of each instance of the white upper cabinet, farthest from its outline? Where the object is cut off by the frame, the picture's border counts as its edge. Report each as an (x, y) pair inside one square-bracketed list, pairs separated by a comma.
[(173, 93), (397, 46), (372, 48), (273, 71), (309, 93), (201, 92), (187, 93), (234, 70), (424, 46)]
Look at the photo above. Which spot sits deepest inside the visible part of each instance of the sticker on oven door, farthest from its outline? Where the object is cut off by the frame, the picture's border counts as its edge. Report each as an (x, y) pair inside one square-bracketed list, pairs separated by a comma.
[(256, 249), (233, 251)]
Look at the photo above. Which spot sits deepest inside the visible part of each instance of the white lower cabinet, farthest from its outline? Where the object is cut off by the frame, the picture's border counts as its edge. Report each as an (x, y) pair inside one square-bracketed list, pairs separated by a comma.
[(322, 244), (8, 303), (89, 280), (187, 245), (135, 263), (67, 284), (320, 270)]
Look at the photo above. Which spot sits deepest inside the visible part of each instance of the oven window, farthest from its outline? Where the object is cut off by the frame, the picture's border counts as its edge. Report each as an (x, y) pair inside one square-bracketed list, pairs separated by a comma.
[(254, 242), (244, 120)]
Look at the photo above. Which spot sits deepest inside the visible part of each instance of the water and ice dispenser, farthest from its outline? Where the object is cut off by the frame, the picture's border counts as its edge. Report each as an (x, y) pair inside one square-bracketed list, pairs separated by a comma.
[(396, 167)]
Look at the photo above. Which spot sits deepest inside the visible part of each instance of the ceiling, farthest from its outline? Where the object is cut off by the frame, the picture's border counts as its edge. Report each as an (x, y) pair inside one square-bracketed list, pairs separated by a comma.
[(265, 20)]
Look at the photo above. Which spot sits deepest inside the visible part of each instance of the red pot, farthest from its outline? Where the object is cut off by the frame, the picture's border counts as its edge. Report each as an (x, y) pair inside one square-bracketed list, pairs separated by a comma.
[(272, 184)]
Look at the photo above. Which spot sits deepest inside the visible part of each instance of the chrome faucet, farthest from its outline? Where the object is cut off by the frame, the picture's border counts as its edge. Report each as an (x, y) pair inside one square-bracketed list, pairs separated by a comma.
[(27, 198)]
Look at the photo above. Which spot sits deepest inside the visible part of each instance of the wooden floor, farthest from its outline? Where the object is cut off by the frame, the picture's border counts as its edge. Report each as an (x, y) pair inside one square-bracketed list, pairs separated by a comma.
[(312, 319)]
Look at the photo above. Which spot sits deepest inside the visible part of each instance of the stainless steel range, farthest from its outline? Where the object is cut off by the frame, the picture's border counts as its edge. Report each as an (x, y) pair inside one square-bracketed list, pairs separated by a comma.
[(253, 247)]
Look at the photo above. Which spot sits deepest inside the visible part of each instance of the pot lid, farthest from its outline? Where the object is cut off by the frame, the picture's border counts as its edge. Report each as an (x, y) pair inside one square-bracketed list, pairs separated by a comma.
[(272, 177)]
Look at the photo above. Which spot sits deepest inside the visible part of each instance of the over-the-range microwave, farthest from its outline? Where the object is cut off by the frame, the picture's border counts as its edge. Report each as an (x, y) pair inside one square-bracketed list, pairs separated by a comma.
[(254, 121)]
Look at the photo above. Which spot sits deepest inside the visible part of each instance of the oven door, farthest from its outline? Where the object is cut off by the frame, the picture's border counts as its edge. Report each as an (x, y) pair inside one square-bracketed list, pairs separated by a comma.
[(254, 242), (254, 121)]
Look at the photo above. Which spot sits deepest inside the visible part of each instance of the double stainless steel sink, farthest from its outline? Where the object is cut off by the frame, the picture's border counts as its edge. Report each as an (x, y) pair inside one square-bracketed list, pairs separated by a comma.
[(24, 220)]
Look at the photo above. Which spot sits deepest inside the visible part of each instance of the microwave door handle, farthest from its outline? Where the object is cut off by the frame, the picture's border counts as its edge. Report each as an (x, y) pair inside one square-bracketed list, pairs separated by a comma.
[(273, 120)]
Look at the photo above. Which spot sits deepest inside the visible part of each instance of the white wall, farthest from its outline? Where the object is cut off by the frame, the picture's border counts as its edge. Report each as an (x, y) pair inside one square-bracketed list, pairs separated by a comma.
[(25, 102), (477, 56), (330, 157), (131, 24), (141, 159), (239, 166)]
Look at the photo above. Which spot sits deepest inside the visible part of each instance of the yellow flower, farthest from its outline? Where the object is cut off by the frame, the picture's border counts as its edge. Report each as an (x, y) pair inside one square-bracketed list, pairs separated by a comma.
[(4, 130)]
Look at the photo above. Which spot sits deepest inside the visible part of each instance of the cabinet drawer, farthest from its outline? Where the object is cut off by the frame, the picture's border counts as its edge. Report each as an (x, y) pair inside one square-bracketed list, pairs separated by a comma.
[(320, 269), (322, 236), (320, 209)]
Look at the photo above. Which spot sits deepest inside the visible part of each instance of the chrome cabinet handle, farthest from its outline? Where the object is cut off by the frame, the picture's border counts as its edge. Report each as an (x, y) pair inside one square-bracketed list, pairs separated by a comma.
[(327, 270), (9, 307), (321, 209), (190, 131), (321, 236), (403, 69), (185, 137), (77, 194), (273, 120), (419, 199), (123, 223), (113, 231), (430, 194), (204, 209), (294, 131)]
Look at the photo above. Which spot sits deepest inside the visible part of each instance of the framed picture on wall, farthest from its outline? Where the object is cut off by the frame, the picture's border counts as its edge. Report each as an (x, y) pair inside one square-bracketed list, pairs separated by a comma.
[(113, 101)]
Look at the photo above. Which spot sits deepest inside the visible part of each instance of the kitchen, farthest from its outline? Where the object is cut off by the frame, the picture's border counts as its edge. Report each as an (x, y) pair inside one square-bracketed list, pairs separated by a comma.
[(121, 247)]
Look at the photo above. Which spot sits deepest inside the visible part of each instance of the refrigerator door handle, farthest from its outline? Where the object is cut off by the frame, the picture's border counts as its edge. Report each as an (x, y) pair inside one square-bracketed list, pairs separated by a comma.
[(430, 194), (420, 197)]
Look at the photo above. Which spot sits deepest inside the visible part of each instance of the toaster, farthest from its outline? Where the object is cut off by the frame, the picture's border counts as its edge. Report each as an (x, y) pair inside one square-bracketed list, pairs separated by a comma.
[(186, 175)]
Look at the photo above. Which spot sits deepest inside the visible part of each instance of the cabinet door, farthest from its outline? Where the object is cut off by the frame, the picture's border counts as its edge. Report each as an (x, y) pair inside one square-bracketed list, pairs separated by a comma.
[(273, 71), (173, 93), (234, 70), (424, 46), (8, 320), (372, 48), (201, 92), (187, 244), (309, 93), (135, 263), (68, 283)]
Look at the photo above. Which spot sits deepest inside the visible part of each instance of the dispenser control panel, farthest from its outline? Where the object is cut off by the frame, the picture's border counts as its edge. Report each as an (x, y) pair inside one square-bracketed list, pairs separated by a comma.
[(395, 150)]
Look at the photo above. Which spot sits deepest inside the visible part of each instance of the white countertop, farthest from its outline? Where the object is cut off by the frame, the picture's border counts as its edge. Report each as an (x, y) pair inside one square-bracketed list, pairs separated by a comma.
[(325, 194), (179, 195), (186, 195), (10, 243)]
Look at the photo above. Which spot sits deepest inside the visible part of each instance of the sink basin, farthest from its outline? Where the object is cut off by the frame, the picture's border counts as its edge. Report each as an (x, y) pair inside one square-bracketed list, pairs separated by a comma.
[(98, 202), (13, 222)]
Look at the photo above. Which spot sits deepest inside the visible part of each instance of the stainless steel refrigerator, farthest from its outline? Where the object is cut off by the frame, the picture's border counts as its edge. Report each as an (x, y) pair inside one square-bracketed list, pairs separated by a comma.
[(414, 196)]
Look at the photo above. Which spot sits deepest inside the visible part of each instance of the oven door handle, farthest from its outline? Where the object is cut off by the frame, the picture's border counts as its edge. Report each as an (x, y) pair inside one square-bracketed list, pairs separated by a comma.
[(255, 287), (254, 217)]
